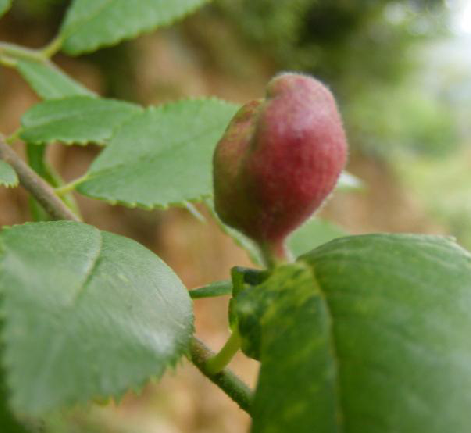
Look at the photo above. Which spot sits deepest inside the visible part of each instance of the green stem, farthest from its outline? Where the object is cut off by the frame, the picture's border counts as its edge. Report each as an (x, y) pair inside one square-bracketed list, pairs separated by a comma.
[(36, 154), (226, 380), (220, 361), (35, 185), (52, 48), (217, 288), (7, 61), (16, 51), (13, 137), (10, 53), (275, 253), (69, 187)]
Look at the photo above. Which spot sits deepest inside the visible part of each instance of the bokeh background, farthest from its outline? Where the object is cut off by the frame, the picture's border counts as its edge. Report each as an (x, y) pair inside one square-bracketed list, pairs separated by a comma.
[(401, 72)]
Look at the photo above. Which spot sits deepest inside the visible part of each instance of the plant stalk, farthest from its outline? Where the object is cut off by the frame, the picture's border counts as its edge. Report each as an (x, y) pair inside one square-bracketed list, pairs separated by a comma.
[(36, 186), (226, 380), (220, 361)]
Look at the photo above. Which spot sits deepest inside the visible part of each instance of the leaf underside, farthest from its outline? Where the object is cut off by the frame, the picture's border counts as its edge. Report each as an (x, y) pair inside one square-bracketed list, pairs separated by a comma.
[(366, 334), (91, 24), (87, 314)]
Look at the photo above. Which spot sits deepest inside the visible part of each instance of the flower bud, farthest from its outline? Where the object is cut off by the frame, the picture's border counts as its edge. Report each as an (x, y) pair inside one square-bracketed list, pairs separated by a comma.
[(278, 160)]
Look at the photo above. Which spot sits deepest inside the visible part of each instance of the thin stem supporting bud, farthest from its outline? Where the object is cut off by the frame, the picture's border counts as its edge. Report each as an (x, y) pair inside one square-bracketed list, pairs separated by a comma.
[(275, 254)]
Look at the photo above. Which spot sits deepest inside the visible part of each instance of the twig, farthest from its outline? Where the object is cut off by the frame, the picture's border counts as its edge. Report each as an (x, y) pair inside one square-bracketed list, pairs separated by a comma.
[(36, 186), (226, 379), (199, 353)]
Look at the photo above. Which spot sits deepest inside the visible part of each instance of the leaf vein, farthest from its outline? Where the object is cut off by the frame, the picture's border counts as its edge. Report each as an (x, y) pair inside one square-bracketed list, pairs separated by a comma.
[(334, 355)]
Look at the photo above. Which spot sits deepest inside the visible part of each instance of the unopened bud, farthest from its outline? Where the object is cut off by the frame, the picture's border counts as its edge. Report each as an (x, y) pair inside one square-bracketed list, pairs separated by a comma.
[(278, 160)]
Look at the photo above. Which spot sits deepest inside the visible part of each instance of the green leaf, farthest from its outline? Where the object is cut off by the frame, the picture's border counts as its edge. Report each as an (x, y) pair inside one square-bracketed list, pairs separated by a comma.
[(4, 6), (76, 119), (91, 24), (8, 176), (48, 81), (365, 334), (8, 422), (87, 314), (161, 156), (311, 234)]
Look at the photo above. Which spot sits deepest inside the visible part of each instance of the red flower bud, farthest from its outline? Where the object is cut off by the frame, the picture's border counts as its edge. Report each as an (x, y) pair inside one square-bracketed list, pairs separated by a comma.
[(278, 160)]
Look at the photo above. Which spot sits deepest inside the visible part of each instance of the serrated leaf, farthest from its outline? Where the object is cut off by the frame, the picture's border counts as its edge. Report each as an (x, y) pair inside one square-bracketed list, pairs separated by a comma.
[(4, 6), (8, 176), (161, 156), (91, 24), (48, 81), (311, 234), (76, 119), (366, 334), (87, 314)]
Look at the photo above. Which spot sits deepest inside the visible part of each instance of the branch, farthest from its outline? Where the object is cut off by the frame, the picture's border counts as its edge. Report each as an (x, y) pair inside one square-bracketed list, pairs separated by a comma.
[(36, 186), (199, 353), (226, 379)]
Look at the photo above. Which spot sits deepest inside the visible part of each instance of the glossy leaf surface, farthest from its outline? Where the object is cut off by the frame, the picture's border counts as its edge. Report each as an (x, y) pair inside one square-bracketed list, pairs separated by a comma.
[(366, 334), (88, 314)]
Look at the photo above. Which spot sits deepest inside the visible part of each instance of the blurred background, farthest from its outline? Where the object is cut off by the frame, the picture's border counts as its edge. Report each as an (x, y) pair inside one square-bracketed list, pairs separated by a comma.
[(401, 72)]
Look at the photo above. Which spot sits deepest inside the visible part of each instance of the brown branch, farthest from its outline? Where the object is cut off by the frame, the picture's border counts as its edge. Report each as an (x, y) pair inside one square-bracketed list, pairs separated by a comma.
[(35, 185)]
